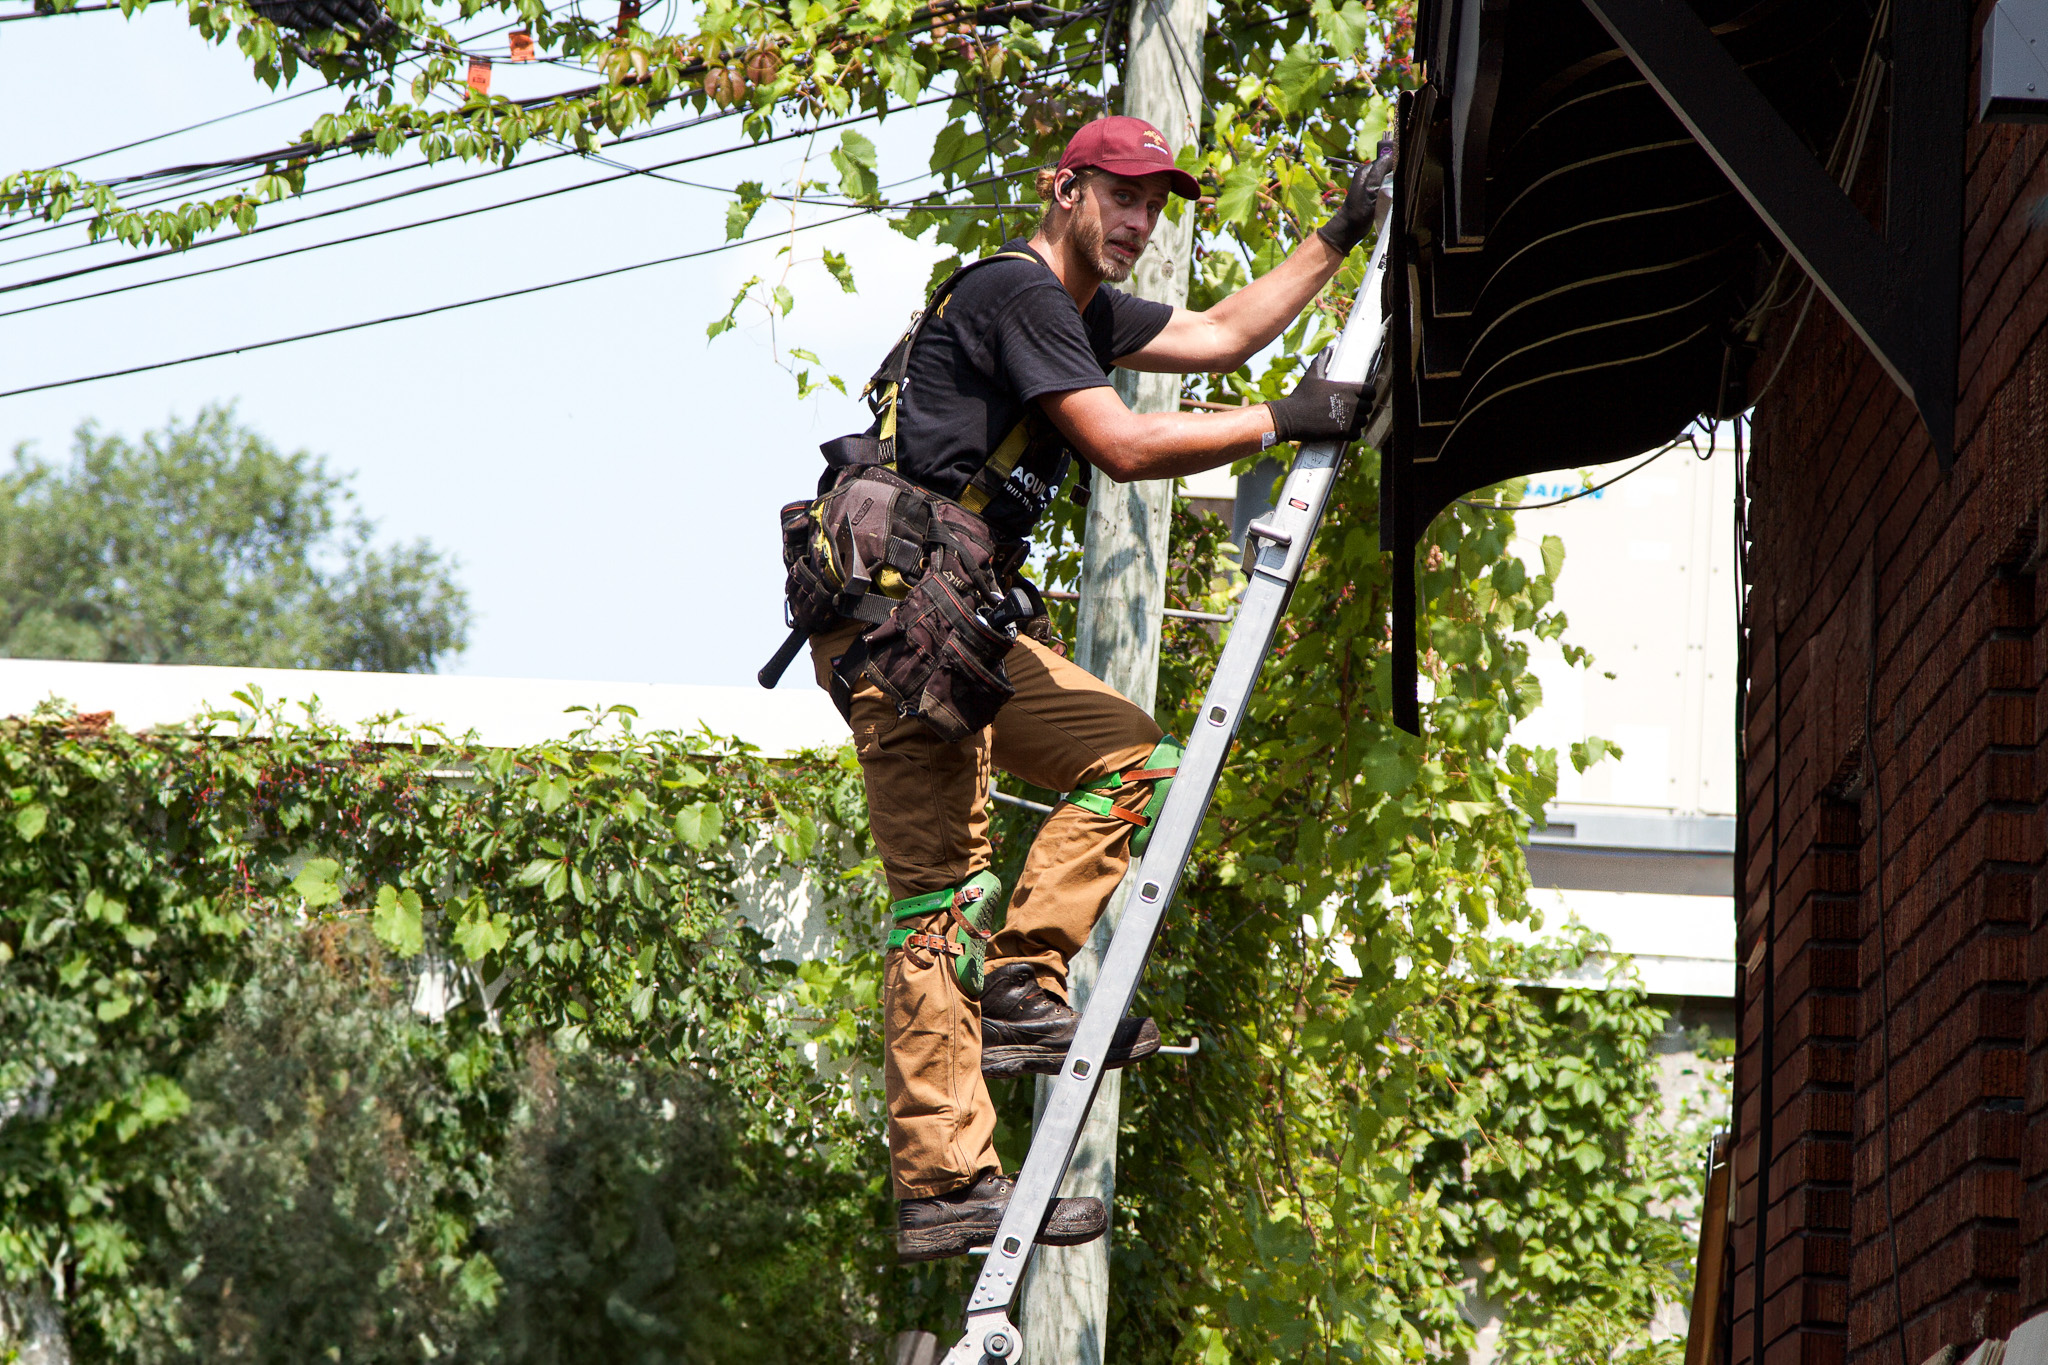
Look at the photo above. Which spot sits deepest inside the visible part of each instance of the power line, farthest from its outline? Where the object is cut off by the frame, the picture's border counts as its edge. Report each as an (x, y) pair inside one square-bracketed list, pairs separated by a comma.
[(203, 123), (421, 312), (324, 213), (1583, 492), (59, 13), (61, 276)]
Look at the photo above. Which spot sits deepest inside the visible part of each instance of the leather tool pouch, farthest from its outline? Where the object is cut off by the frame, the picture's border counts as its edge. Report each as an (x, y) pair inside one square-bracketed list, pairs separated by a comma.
[(937, 656), (944, 597)]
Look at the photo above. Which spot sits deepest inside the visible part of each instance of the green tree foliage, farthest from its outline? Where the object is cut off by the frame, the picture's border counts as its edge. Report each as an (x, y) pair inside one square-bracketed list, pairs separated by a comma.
[(205, 544), (226, 1136), (638, 1136), (1380, 1118)]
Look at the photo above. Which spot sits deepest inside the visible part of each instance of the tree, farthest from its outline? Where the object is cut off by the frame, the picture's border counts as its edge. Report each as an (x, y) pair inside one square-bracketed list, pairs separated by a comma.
[(205, 544)]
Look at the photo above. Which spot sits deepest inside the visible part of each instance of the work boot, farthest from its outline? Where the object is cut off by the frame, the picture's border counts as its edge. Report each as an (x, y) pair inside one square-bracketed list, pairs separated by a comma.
[(948, 1224), (1026, 1028)]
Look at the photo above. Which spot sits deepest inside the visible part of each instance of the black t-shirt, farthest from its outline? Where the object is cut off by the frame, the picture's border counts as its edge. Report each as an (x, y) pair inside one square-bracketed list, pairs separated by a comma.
[(1008, 333)]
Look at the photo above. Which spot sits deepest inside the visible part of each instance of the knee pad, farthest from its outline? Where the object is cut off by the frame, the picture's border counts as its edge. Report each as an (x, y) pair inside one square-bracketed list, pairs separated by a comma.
[(973, 907), (1158, 769)]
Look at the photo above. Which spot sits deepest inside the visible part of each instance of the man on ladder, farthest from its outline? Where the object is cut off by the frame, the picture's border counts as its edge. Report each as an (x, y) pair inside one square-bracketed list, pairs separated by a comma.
[(903, 578)]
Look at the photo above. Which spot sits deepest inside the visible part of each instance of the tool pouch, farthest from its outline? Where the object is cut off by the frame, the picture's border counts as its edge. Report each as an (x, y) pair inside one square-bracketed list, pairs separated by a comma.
[(937, 657), (855, 551), (810, 598)]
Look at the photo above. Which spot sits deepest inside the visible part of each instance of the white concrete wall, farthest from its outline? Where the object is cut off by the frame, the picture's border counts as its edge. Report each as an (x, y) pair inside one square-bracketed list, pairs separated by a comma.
[(499, 712)]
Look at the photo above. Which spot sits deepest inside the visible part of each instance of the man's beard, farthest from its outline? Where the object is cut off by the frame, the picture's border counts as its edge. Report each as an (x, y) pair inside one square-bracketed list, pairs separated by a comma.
[(1087, 233)]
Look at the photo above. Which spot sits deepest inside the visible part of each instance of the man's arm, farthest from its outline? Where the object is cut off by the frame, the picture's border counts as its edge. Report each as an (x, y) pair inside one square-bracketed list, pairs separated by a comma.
[(1221, 338), (1130, 445)]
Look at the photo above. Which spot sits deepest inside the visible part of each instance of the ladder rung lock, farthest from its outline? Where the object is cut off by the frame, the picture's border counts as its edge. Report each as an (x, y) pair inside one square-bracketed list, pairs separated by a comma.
[(1149, 891), (1217, 715), (1080, 1066), (1011, 1246)]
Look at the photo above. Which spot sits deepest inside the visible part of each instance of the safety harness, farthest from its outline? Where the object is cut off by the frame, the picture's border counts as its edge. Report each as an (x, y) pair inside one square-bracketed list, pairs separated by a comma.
[(888, 388), (1158, 769)]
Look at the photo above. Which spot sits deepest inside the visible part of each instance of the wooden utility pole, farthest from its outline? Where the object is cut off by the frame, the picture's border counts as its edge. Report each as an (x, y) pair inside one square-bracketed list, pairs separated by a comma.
[(1065, 1313)]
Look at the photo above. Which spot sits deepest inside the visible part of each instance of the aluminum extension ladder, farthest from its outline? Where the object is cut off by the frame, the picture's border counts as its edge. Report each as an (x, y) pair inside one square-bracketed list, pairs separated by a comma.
[(1281, 539)]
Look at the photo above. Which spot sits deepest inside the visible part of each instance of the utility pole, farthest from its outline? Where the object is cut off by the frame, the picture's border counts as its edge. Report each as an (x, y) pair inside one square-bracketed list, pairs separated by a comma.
[(1065, 1311)]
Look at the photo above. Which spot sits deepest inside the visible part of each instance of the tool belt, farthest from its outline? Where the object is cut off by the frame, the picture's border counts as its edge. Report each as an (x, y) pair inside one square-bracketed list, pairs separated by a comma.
[(939, 587), (942, 593)]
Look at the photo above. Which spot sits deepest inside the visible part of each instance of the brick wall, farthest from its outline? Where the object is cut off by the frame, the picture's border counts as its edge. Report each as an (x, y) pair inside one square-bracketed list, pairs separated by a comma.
[(1892, 1079)]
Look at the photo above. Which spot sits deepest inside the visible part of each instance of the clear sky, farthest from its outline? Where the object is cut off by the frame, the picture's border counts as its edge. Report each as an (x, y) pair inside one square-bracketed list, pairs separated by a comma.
[(608, 480)]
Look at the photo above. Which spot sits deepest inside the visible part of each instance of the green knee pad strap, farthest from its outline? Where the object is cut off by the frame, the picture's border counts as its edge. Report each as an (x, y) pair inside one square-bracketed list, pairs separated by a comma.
[(973, 906), (1158, 769)]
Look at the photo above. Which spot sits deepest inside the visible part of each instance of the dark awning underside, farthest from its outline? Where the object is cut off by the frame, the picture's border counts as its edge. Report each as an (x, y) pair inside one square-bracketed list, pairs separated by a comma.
[(1574, 269)]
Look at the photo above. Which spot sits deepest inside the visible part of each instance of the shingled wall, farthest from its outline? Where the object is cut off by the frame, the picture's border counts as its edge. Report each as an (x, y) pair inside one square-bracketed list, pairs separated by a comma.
[(1921, 1185)]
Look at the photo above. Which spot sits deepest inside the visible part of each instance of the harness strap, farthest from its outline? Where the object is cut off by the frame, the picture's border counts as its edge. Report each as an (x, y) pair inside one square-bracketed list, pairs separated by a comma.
[(910, 938), (1094, 796), (950, 900), (846, 671), (892, 395), (990, 478)]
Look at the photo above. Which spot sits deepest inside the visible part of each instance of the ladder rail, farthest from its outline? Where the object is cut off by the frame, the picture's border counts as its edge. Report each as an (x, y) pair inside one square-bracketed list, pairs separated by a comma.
[(1282, 538)]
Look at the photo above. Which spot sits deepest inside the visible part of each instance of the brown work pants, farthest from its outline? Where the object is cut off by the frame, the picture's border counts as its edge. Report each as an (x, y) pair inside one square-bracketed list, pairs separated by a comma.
[(928, 808)]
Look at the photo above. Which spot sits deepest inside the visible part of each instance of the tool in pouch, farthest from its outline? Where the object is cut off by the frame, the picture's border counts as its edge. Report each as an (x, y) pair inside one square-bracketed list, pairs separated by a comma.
[(939, 588)]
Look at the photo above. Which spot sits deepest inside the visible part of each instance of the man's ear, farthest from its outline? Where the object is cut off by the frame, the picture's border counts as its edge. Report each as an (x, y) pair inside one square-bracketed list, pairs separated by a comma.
[(1063, 189)]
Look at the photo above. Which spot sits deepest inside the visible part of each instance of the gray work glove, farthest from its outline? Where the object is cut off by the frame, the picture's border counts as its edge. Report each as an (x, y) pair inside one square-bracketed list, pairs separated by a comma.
[(1319, 409), (1353, 219)]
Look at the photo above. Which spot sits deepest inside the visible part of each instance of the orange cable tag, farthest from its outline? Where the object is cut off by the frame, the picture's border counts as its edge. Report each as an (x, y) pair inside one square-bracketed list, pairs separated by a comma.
[(479, 75), (521, 43)]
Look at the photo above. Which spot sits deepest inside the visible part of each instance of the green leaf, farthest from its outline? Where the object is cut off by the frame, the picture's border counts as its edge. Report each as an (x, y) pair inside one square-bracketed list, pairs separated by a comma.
[(156, 1101), (1345, 30), (396, 921), (480, 933), (855, 159), (1553, 557), (319, 882), (479, 1282), (739, 215), (838, 269), (1300, 78), (1389, 767), (113, 1007), (29, 821), (1240, 192), (699, 825)]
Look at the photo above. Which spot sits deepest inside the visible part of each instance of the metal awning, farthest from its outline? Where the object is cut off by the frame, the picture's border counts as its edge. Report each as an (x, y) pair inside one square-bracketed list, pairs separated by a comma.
[(1593, 195)]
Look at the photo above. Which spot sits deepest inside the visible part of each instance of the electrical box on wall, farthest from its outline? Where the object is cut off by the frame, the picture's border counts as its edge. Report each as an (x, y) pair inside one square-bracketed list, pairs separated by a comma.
[(2014, 79)]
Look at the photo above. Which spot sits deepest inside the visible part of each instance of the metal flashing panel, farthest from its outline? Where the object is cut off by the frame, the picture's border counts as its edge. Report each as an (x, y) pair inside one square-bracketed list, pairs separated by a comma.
[(2013, 84)]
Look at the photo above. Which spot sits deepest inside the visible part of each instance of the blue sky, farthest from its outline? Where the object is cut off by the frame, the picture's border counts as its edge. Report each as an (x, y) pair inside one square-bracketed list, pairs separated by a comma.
[(608, 480)]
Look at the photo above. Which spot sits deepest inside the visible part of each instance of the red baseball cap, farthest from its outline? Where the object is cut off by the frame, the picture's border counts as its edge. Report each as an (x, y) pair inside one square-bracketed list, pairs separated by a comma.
[(1129, 146)]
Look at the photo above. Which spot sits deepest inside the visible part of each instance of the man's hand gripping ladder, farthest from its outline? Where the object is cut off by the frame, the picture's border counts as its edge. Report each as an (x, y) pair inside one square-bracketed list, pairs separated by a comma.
[(1277, 546)]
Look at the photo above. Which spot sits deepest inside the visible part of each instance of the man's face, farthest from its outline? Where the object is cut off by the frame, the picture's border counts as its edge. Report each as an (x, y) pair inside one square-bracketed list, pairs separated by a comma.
[(1114, 219)]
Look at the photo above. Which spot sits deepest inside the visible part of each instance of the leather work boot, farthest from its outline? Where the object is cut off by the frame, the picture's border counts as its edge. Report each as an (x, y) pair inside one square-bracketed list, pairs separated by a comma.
[(948, 1224), (1027, 1029)]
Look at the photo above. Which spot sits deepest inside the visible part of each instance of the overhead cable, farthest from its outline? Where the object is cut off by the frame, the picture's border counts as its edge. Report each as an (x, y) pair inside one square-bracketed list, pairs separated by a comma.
[(203, 123), (1656, 455), (75, 9), (139, 258), (422, 312)]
